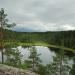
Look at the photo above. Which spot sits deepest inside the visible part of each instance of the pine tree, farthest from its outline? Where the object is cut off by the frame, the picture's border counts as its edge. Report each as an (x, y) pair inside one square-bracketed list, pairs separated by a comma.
[(3, 24), (72, 72), (34, 59), (59, 66)]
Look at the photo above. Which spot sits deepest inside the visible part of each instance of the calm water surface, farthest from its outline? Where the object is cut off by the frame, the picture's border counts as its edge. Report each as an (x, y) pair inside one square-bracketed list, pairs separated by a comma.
[(46, 54)]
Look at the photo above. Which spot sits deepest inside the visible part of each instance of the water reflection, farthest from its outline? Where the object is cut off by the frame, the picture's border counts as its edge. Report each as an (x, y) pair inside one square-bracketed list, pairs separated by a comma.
[(46, 54)]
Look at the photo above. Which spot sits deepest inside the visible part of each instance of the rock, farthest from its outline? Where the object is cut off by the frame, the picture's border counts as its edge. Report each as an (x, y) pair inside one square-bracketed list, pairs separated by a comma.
[(8, 70)]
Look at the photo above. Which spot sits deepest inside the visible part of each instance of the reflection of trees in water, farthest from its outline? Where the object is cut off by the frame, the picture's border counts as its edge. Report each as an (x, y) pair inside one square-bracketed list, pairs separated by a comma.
[(67, 53)]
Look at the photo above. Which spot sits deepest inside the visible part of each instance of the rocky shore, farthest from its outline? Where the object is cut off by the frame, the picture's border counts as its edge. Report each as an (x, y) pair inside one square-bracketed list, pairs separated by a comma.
[(8, 70)]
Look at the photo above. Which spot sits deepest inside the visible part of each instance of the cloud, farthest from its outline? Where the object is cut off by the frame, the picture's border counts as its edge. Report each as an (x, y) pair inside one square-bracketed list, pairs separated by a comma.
[(32, 27), (68, 27), (41, 15)]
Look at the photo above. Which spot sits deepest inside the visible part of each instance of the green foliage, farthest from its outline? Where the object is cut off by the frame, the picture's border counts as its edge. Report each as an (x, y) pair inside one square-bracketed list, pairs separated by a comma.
[(72, 72), (4, 24), (4, 20), (24, 66), (34, 60), (42, 70), (13, 57), (53, 38), (59, 66)]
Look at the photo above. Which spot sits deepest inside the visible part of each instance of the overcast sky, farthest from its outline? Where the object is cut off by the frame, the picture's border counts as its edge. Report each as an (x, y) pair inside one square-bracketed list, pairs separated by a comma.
[(41, 15)]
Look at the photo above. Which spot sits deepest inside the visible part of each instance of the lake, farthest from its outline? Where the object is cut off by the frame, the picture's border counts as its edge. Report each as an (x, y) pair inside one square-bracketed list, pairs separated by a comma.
[(46, 54)]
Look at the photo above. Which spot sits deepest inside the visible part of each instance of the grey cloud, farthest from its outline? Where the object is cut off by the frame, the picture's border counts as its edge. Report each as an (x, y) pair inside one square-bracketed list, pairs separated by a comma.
[(58, 12)]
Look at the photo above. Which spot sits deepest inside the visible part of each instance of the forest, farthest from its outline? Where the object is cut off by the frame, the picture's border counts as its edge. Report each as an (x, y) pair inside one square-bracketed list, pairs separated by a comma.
[(61, 38)]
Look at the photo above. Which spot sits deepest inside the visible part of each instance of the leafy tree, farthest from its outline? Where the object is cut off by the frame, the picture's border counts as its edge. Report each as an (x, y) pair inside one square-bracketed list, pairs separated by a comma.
[(3, 24), (34, 59)]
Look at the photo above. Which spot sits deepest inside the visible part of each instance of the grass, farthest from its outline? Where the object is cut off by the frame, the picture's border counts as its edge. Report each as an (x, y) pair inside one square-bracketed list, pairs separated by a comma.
[(15, 44)]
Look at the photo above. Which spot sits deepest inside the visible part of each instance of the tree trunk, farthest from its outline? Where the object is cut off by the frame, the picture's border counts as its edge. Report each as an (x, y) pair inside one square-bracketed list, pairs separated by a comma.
[(61, 59), (33, 65), (2, 40)]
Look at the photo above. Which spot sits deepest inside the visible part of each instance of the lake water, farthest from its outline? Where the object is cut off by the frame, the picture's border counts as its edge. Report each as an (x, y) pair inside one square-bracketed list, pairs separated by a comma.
[(46, 54)]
